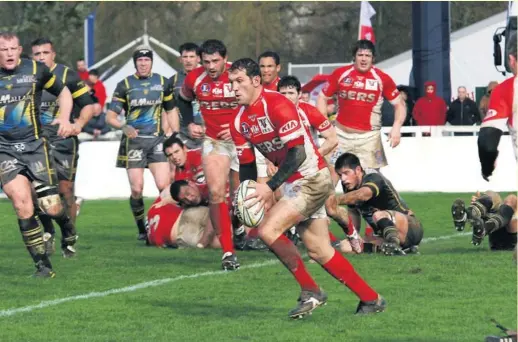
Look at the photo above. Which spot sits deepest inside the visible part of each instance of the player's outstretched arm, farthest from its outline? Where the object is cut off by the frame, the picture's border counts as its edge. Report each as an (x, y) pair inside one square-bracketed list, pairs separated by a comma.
[(488, 140), (363, 194)]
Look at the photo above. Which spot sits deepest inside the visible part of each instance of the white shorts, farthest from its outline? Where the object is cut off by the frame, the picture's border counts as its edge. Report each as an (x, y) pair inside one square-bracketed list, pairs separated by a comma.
[(309, 194), (366, 146), (260, 162), (221, 147), (192, 225)]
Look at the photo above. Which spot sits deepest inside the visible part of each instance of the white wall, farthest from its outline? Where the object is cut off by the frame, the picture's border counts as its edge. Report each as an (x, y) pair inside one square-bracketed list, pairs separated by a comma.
[(419, 164)]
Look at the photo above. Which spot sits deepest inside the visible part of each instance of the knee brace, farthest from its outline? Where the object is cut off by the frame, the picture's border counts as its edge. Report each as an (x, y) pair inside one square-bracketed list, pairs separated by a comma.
[(47, 196)]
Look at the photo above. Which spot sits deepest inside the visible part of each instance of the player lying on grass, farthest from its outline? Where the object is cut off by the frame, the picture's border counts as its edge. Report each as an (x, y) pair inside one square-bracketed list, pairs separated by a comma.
[(173, 226), (191, 195), (489, 216), (370, 195)]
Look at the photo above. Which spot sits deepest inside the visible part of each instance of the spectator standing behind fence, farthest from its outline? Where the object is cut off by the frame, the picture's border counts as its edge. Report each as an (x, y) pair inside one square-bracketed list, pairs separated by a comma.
[(430, 110), (484, 101), (98, 86), (82, 71), (463, 111)]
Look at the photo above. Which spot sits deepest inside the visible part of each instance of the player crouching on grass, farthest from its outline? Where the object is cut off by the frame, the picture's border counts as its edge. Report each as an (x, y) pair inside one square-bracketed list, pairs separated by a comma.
[(371, 195), (489, 216)]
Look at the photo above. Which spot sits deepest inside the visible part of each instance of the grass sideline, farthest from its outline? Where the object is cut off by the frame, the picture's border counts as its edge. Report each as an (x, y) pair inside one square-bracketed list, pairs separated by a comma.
[(446, 294)]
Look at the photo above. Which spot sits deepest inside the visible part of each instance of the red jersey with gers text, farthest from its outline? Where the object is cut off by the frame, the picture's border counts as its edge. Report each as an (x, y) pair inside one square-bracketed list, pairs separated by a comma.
[(360, 96), (161, 221), (503, 109), (192, 170), (272, 124), (216, 98)]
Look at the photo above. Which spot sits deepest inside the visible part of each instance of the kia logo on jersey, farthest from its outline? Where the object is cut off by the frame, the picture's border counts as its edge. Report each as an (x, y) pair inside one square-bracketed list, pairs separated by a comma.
[(290, 125), (217, 92)]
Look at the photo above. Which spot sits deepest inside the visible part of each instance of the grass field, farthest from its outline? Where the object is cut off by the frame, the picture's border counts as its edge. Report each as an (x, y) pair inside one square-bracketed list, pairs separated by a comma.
[(448, 293)]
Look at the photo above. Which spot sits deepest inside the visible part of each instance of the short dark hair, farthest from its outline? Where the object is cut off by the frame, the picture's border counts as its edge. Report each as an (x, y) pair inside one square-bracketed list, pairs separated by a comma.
[(188, 47), (173, 139), (212, 46), (93, 72), (364, 44), (42, 41), (289, 81), (348, 160), (80, 60), (511, 44), (248, 65), (271, 54), (175, 188)]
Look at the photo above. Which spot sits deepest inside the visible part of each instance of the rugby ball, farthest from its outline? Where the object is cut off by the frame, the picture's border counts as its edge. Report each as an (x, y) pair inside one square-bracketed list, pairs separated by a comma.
[(247, 216)]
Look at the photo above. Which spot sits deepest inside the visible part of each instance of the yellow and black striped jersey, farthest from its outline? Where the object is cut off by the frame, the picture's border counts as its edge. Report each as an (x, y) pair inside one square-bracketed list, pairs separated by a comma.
[(143, 99), (49, 109), (20, 98)]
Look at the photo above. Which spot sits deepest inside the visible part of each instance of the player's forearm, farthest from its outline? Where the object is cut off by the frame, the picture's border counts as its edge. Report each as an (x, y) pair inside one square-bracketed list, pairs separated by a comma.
[(86, 113), (65, 104), (185, 108), (330, 142), (173, 118), (294, 158), (488, 141), (322, 104), (111, 119), (399, 115), (353, 197)]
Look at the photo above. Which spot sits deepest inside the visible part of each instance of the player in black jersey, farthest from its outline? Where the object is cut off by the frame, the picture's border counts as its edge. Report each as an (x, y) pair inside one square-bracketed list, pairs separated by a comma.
[(489, 216), (369, 194), (142, 96), (190, 60), (25, 156), (64, 150)]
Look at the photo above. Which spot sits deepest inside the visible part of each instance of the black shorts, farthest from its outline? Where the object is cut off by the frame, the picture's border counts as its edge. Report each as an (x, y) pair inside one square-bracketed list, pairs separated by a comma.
[(66, 156), (138, 153), (502, 240), (189, 142), (415, 232), (32, 159)]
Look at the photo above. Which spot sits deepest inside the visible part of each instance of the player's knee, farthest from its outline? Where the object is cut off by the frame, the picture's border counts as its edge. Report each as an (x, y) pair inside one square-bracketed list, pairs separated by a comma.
[(511, 201), (136, 189), (378, 215), (67, 190), (217, 195), (49, 200), (23, 206)]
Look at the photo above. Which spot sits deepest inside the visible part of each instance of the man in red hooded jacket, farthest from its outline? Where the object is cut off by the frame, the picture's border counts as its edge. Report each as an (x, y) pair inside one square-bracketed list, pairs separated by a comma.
[(430, 110)]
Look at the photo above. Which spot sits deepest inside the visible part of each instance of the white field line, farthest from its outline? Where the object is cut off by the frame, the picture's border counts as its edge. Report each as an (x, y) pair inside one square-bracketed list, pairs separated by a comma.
[(159, 282)]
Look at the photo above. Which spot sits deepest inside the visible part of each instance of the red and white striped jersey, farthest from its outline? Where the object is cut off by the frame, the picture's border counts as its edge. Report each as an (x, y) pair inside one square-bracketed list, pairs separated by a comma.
[(503, 109), (216, 98), (272, 124), (360, 96)]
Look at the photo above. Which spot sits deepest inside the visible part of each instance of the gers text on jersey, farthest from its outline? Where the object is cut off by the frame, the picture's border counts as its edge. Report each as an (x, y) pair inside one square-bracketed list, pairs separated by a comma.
[(272, 124)]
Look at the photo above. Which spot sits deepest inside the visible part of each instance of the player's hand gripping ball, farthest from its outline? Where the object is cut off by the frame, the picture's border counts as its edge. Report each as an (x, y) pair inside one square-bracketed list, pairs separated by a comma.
[(250, 217)]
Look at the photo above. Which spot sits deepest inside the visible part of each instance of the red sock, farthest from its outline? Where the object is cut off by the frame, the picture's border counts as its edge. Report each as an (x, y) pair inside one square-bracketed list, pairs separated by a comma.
[(340, 268), (289, 255), (332, 237), (369, 231), (220, 219), (253, 233)]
